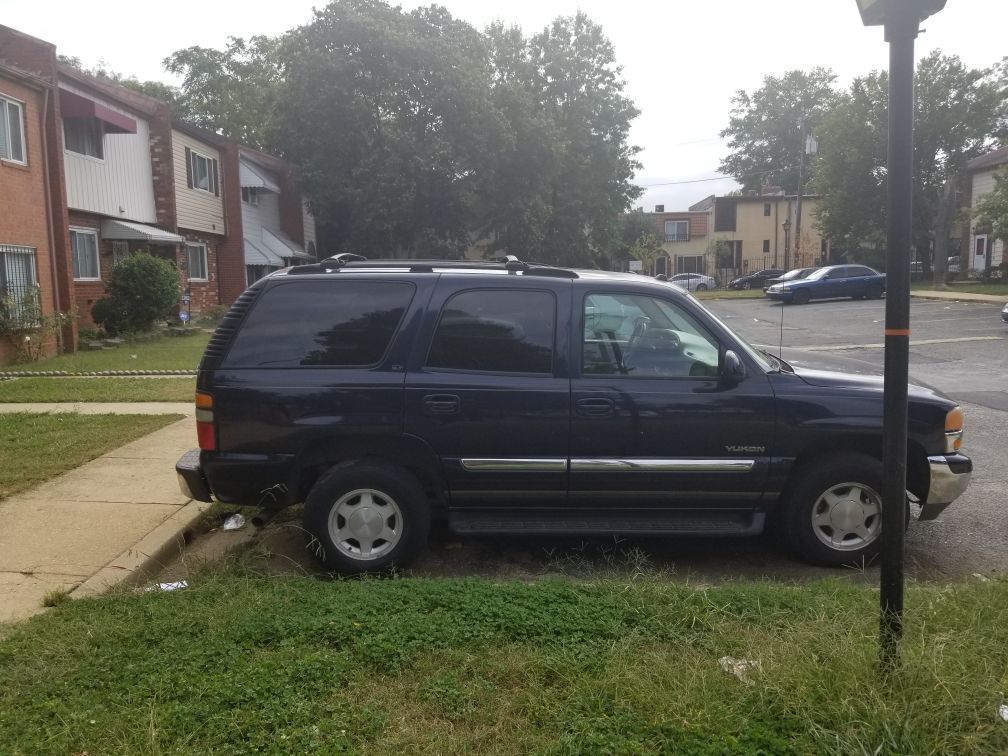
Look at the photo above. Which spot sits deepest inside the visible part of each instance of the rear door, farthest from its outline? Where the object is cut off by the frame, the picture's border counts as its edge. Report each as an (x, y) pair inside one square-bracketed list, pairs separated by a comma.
[(488, 389)]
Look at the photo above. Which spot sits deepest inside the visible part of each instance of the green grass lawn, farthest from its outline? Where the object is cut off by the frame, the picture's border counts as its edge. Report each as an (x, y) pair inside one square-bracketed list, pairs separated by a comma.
[(97, 390), (35, 448), (999, 289), (164, 353), (249, 664), (730, 294)]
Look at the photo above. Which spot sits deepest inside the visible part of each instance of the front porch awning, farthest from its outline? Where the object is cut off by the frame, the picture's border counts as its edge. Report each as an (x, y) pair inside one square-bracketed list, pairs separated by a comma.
[(253, 176), (73, 105), (260, 254), (283, 245), (117, 229)]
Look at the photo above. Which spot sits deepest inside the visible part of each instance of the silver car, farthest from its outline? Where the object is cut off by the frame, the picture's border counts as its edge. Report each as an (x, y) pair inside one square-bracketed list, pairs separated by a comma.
[(693, 281)]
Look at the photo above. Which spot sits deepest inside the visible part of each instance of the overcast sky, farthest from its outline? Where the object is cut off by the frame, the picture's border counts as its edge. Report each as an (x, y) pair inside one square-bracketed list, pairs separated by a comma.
[(682, 60)]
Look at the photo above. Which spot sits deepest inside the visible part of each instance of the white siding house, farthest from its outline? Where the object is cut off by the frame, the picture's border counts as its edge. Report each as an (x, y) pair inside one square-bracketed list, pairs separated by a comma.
[(199, 197), (983, 244), (107, 158), (267, 248)]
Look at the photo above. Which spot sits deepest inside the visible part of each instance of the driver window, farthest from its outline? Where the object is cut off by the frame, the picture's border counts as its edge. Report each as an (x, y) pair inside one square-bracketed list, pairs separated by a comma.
[(644, 337)]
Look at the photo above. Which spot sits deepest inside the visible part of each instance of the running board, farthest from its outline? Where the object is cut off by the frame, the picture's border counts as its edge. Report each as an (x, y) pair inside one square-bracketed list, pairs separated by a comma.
[(648, 522)]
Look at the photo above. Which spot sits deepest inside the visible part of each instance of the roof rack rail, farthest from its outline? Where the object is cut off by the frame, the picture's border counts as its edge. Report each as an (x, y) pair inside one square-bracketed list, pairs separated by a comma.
[(349, 261)]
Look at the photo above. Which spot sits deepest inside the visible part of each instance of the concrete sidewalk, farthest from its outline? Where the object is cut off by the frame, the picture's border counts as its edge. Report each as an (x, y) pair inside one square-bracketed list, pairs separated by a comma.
[(959, 296), (104, 408), (98, 525)]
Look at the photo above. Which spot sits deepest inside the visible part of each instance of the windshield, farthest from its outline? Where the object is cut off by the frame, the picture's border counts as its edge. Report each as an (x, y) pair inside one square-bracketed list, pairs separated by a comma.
[(759, 356), (793, 274), (818, 274)]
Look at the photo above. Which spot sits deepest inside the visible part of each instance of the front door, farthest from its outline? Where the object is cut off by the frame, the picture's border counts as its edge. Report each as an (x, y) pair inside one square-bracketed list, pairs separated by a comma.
[(653, 424), (979, 252), (488, 393)]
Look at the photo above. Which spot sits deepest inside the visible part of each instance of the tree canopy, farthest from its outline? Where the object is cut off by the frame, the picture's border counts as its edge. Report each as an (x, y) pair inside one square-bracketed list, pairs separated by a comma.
[(415, 134)]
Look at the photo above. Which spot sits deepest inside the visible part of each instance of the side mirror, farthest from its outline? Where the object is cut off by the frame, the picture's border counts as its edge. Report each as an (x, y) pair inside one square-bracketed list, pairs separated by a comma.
[(732, 367)]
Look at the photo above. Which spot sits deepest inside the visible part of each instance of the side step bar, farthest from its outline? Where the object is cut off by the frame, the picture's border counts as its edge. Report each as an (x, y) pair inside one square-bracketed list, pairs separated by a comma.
[(647, 522)]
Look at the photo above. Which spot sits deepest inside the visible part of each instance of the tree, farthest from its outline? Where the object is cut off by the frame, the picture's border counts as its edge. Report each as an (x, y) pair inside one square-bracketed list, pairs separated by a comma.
[(959, 114), (635, 238), (231, 91), (991, 214), (767, 129)]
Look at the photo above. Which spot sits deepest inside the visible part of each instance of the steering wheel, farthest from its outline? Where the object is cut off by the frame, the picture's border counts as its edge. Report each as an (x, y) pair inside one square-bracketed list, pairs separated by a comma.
[(639, 329)]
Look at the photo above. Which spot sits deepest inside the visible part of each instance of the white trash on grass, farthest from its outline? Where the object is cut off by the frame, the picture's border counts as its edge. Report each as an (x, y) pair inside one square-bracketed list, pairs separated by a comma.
[(176, 586), (740, 667), (234, 522), (1003, 712)]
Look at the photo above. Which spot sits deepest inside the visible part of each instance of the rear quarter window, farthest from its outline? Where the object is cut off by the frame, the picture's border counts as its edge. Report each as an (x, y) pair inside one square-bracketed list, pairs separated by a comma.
[(321, 324)]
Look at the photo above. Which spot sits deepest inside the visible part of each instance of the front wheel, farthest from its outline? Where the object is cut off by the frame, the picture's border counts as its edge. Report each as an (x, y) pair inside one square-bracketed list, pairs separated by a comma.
[(801, 297), (746, 286), (366, 517), (874, 292), (833, 515), (701, 287)]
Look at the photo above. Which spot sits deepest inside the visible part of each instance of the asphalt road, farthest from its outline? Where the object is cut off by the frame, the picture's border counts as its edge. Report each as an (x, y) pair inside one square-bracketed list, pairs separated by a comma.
[(959, 348)]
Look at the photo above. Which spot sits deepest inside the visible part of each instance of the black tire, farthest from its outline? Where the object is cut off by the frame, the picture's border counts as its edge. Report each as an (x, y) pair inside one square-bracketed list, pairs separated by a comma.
[(395, 503), (701, 287), (801, 297), (874, 292), (746, 286), (808, 499)]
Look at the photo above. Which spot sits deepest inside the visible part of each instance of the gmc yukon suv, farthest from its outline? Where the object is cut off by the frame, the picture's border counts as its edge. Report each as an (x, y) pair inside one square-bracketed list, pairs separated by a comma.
[(517, 398)]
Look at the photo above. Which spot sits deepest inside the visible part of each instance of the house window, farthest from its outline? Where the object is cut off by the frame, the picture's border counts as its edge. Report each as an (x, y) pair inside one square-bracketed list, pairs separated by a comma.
[(196, 261), (18, 276), (84, 136), (12, 146), (676, 231), (203, 172), (250, 195), (766, 246), (766, 209), (86, 265), (120, 251)]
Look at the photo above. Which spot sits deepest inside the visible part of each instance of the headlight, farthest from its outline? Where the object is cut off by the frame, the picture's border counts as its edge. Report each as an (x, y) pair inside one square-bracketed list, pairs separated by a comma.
[(775, 288), (953, 430)]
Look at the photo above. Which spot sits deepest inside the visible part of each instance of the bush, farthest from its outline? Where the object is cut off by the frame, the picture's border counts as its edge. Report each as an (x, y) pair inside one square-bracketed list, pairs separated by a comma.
[(142, 289), (24, 324)]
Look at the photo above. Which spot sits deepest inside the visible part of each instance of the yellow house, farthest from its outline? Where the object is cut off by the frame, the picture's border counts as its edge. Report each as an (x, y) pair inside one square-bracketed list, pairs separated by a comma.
[(756, 232)]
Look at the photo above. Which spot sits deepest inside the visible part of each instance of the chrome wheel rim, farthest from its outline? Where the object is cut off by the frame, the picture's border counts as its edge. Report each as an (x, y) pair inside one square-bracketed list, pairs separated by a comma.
[(847, 516), (365, 524)]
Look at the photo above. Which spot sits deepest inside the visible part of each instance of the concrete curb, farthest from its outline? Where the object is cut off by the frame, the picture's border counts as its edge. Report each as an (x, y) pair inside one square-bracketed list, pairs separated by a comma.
[(92, 374), (146, 557), (964, 296)]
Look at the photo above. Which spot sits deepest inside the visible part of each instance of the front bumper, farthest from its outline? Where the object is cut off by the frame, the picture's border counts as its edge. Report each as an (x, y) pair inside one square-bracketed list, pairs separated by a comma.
[(190, 477), (783, 296), (1004, 313), (950, 475)]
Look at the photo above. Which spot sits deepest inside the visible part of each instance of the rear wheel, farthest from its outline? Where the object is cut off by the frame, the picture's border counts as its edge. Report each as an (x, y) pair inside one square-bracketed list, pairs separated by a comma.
[(801, 297), (874, 292), (833, 514), (701, 287), (365, 517), (747, 286)]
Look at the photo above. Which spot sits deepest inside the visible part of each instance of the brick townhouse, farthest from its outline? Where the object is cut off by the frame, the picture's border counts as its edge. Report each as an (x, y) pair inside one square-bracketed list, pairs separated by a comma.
[(92, 172), (33, 238)]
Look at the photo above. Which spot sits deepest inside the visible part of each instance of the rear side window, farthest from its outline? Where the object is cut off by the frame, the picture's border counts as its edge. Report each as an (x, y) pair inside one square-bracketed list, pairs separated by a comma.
[(500, 331), (859, 270), (321, 323)]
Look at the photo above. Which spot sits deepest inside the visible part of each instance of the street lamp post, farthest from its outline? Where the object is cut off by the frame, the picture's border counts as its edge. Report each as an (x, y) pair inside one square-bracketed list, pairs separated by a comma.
[(901, 19), (786, 225)]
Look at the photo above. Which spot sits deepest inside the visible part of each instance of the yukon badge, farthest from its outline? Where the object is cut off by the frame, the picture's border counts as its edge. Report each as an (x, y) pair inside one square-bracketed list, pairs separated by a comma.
[(745, 449)]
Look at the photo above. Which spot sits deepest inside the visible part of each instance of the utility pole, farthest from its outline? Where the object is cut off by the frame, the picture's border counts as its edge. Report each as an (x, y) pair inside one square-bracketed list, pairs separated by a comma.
[(901, 19), (809, 147)]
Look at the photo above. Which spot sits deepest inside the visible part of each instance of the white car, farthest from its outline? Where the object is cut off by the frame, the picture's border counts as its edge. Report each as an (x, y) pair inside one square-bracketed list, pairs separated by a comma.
[(693, 281)]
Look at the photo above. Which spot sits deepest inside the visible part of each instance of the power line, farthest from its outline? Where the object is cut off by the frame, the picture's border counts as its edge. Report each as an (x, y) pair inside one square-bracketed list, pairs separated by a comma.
[(714, 178)]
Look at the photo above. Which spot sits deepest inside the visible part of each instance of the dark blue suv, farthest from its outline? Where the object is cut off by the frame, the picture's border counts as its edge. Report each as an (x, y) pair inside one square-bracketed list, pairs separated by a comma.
[(518, 398)]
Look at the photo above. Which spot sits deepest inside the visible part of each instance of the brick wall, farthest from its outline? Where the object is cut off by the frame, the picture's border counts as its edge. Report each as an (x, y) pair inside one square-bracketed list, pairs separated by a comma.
[(163, 169), (202, 294), (231, 250)]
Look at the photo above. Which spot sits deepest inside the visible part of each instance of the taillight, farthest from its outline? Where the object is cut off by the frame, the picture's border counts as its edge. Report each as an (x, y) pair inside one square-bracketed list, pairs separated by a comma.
[(206, 433), (953, 430)]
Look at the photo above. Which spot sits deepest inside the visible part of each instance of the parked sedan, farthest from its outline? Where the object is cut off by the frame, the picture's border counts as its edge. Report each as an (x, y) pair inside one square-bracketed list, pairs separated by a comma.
[(693, 281), (831, 282), (1004, 313), (755, 280), (792, 275)]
